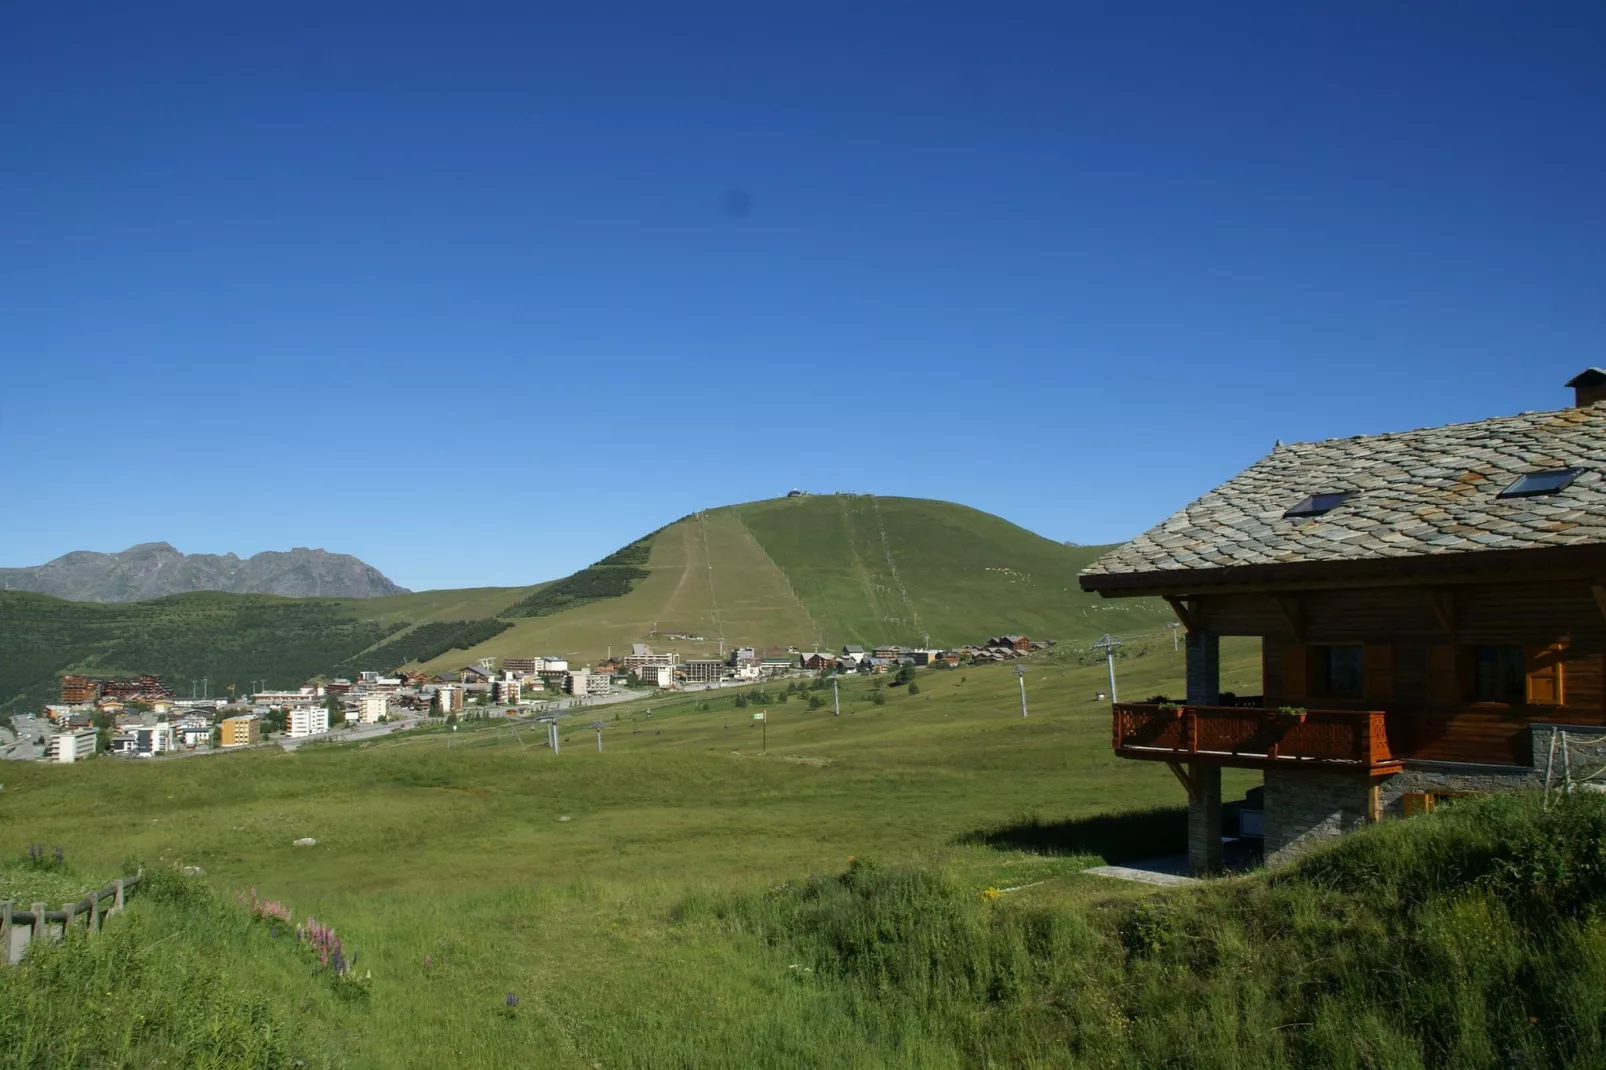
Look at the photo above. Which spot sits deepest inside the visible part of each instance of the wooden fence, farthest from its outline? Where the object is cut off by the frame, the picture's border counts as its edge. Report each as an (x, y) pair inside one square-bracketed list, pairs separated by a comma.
[(19, 928)]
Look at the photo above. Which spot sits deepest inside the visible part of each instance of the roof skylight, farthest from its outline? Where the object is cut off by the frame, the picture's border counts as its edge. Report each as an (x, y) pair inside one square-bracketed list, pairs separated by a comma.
[(1317, 504), (1533, 483)]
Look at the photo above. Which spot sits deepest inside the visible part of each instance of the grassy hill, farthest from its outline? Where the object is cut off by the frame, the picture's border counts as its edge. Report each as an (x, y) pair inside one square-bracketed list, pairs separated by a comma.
[(814, 571), (823, 571)]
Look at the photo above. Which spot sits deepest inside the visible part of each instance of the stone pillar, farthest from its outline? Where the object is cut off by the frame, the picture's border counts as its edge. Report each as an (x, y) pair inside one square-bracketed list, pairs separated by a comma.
[(1204, 821), (1204, 808)]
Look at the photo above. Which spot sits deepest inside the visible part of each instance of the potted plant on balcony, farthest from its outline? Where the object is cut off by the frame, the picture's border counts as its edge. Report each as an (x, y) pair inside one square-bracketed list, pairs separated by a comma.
[(1165, 705), (1288, 716)]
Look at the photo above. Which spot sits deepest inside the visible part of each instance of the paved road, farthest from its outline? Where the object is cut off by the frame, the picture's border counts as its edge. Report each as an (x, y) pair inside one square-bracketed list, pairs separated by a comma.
[(29, 744)]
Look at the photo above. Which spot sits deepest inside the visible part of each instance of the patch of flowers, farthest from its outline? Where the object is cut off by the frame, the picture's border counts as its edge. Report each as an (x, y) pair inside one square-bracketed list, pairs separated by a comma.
[(316, 939)]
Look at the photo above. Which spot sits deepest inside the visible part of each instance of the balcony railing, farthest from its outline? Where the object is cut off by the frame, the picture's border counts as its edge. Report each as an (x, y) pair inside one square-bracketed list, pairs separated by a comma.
[(1254, 737)]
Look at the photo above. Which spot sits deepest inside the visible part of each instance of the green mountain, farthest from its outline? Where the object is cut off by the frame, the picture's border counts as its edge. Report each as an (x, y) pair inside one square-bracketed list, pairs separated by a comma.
[(811, 572), (819, 571)]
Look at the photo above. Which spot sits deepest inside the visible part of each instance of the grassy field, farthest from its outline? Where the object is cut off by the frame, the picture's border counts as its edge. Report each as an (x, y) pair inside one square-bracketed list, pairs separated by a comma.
[(566, 880), (900, 886)]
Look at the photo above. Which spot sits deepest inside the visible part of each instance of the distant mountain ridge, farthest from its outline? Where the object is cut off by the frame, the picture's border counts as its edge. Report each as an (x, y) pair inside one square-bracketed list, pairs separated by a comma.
[(155, 569)]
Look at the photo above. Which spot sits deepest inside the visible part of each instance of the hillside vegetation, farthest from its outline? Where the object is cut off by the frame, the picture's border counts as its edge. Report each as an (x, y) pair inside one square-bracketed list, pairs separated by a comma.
[(898, 886), (823, 571), (808, 572)]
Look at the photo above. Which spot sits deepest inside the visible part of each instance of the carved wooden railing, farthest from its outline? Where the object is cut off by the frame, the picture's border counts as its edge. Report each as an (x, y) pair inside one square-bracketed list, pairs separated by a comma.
[(1232, 735)]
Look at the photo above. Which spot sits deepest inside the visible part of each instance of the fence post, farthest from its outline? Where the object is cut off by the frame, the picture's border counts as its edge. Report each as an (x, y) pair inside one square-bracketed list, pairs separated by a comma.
[(38, 921), (94, 911), (117, 901), (5, 929)]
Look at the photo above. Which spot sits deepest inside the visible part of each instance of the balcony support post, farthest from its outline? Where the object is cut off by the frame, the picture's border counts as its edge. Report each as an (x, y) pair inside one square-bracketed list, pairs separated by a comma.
[(1204, 800)]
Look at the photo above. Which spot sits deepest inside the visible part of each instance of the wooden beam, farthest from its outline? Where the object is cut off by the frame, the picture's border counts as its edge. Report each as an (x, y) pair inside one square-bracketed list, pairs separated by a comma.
[(1289, 605), (1599, 591), (1443, 603), (1188, 784), (1374, 802), (1180, 608)]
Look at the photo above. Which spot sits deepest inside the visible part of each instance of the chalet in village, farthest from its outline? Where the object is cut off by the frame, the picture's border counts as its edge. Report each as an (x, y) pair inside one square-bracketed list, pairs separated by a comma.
[(1431, 607)]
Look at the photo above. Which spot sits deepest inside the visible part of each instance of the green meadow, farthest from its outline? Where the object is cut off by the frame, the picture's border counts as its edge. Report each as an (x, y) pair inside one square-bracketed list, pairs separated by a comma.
[(558, 878), (898, 886)]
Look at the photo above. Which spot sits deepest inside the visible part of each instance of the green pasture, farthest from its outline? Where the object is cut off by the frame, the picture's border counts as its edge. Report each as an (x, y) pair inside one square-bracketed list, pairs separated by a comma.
[(564, 879)]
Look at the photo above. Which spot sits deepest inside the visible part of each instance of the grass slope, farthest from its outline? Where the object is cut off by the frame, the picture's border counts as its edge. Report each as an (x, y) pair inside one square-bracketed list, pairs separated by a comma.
[(873, 569), (826, 570), (853, 895), (450, 846)]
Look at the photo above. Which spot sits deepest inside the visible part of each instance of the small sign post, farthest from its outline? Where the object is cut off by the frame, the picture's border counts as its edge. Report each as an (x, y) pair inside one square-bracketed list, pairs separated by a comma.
[(763, 731)]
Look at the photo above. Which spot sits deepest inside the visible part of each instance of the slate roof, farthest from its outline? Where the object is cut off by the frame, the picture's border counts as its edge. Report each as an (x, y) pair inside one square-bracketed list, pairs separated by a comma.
[(1414, 493)]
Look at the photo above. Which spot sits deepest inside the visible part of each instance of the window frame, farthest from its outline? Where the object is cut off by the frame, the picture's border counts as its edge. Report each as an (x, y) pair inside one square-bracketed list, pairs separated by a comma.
[(1514, 488), (1319, 673), (1310, 505)]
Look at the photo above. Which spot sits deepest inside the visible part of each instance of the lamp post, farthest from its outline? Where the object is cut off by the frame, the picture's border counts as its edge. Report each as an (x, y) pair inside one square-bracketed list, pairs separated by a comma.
[(1020, 675)]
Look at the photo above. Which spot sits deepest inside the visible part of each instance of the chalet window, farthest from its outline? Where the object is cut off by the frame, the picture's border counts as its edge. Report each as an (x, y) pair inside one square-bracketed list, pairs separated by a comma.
[(1540, 483), (1317, 504), (1337, 671), (1498, 674)]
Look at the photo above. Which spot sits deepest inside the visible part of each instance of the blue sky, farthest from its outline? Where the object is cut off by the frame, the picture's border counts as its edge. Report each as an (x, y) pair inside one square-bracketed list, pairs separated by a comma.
[(479, 293)]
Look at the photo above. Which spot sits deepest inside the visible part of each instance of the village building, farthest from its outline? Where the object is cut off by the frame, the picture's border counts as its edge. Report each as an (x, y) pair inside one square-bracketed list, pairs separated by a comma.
[(659, 676), (372, 707), (818, 661), (307, 721), (72, 745), (642, 656), (702, 670), (1431, 608), (239, 731)]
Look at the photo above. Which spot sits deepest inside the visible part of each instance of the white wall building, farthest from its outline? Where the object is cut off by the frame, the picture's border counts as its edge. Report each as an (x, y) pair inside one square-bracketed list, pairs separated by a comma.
[(449, 699), (577, 683), (661, 676), (70, 746), (508, 690), (287, 698), (372, 707), (308, 721), (599, 683)]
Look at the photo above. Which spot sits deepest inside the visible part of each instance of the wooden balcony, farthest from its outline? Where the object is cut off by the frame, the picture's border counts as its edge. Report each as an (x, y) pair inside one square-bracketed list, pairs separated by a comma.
[(1255, 737)]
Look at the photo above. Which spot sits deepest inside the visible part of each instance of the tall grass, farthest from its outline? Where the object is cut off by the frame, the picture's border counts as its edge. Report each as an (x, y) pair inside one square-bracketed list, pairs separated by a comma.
[(1472, 938), (148, 990)]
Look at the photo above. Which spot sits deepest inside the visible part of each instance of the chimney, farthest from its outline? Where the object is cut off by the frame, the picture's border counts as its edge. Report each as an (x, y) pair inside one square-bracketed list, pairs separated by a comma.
[(1588, 387)]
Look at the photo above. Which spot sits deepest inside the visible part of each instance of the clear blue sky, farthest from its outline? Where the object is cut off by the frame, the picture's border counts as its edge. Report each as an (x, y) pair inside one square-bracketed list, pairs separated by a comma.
[(479, 294)]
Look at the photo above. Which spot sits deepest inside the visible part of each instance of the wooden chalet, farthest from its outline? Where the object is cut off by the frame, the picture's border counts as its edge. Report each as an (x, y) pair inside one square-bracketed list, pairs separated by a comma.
[(1431, 607)]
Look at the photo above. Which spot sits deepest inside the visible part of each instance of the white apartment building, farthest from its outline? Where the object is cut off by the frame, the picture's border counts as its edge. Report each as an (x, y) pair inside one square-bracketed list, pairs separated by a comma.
[(641, 656), (308, 721), (372, 707), (660, 676), (287, 698), (578, 683), (599, 683), (449, 698), (72, 746), (508, 690)]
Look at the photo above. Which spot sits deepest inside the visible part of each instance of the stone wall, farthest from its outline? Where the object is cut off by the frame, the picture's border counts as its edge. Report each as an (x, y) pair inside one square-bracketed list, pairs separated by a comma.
[(1306, 808)]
